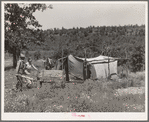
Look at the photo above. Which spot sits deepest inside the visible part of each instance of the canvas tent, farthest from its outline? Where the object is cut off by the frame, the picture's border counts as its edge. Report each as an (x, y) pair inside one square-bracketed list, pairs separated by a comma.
[(98, 67), (101, 66)]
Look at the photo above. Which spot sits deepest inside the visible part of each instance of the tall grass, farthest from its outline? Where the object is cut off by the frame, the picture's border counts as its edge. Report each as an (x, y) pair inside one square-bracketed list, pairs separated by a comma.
[(90, 96)]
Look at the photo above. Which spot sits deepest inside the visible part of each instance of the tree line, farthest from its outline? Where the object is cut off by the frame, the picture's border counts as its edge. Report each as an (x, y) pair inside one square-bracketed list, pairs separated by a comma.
[(129, 46)]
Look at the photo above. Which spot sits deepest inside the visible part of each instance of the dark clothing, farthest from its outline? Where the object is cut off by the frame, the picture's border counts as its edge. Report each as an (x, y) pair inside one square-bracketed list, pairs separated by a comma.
[(20, 70), (20, 67), (19, 83)]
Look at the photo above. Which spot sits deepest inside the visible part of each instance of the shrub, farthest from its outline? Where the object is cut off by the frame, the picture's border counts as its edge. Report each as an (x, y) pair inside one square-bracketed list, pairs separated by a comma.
[(27, 54), (137, 59), (37, 55), (58, 54)]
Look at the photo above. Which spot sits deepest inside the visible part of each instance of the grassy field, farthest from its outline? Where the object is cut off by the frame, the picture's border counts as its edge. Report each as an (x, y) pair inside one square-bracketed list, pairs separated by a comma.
[(121, 95)]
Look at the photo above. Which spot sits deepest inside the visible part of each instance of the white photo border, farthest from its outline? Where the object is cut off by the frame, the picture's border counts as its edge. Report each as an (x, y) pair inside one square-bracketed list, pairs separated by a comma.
[(68, 116)]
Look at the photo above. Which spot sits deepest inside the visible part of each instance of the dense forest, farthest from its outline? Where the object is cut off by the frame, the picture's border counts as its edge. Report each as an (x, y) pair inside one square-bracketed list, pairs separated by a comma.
[(126, 42)]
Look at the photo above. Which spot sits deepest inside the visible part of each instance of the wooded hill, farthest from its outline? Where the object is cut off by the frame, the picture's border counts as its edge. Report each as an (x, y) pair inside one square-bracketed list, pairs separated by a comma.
[(121, 42), (116, 41)]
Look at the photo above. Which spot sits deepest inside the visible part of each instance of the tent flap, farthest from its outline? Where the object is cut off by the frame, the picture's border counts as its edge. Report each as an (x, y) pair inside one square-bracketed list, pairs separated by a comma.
[(75, 67)]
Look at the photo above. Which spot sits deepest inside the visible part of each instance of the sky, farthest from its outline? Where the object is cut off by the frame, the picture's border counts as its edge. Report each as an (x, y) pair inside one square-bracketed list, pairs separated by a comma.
[(69, 15)]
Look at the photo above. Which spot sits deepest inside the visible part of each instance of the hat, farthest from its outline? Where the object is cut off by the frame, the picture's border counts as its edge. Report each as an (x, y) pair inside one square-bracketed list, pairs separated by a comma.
[(22, 55)]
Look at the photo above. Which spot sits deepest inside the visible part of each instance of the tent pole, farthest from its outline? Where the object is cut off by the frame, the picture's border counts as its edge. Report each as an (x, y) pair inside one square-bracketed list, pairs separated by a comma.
[(62, 64), (126, 62), (108, 66), (85, 54), (62, 58), (85, 66), (67, 70)]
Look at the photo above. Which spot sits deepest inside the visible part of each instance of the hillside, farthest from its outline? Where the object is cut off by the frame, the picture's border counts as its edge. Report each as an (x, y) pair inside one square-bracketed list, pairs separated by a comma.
[(126, 42), (102, 37), (122, 42)]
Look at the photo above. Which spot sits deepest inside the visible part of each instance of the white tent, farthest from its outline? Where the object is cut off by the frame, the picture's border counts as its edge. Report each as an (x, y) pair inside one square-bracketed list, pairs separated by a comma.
[(98, 67), (101, 66)]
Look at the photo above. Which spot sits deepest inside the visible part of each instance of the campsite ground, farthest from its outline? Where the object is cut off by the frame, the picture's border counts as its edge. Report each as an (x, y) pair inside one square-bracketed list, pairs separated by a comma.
[(124, 95)]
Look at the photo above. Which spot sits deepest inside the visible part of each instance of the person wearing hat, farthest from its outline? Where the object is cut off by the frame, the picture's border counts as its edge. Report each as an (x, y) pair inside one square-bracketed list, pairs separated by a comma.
[(20, 70), (28, 67)]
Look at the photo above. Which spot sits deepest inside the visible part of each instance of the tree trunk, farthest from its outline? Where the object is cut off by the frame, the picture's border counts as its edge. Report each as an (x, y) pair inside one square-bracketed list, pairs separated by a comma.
[(15, 57), (14, 60)]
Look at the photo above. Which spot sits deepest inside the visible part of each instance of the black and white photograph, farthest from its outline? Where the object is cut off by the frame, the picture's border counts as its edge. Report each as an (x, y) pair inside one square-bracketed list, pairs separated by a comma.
[(74, 60)]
